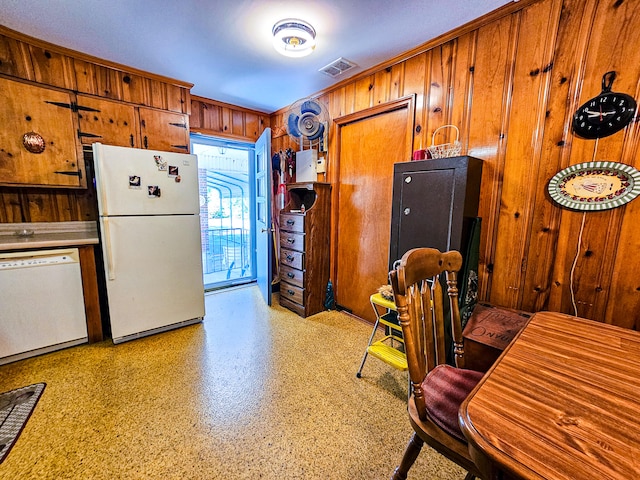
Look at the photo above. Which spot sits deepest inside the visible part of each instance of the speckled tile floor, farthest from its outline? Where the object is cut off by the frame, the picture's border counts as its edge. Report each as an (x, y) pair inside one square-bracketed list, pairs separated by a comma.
[(252, 392)]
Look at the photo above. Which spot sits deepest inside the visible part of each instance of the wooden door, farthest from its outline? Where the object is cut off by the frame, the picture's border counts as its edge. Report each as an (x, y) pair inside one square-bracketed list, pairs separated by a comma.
[(164, 131), (104, 121), (369, 145), (38, 142)]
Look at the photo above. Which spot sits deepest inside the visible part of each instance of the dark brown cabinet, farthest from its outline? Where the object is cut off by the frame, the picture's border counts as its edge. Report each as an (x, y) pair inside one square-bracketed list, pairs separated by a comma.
[(304, 247), (434, 204)]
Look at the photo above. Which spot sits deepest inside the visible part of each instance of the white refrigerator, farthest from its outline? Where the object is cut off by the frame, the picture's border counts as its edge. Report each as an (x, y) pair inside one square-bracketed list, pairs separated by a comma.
[(148, 204)]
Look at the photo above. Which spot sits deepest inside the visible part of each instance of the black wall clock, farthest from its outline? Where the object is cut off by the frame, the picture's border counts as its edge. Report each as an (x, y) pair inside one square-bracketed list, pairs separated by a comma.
[(605, 114)]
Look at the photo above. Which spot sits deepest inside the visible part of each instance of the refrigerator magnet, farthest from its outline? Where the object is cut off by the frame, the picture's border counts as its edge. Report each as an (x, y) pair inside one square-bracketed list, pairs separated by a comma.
[(134, 181), (154, 190), (173, 171), (161, 164), (178, 178)]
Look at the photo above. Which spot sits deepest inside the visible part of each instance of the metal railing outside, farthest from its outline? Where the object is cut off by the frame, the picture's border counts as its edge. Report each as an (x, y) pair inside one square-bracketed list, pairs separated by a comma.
[(228, 250)]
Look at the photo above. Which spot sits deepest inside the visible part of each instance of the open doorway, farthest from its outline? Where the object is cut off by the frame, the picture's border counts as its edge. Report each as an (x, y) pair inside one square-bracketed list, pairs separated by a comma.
[(227, 217)]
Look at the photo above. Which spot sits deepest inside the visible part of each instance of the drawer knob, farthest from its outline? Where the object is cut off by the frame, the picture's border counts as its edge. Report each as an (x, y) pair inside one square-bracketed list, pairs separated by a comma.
[(290, 240), (290, 258), (290, 275), (290, 222), (291, 292)]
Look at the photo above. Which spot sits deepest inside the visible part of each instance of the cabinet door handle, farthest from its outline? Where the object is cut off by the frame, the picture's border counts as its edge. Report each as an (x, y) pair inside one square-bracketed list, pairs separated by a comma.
[(145, 142), (131, 140)]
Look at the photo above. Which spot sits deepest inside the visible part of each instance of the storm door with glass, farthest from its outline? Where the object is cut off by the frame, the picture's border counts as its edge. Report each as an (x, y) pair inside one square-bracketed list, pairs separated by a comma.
[(227, 218)]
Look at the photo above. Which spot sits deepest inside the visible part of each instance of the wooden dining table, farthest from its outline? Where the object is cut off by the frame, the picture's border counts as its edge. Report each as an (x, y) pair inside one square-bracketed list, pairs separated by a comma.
[(561, 402)]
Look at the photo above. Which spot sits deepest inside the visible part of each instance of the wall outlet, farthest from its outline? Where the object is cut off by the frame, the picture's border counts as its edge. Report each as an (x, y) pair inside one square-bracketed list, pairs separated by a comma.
[(321, 166)]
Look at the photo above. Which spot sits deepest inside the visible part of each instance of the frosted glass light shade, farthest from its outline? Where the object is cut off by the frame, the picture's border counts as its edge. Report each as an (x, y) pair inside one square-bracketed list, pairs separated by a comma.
[(294, 38)]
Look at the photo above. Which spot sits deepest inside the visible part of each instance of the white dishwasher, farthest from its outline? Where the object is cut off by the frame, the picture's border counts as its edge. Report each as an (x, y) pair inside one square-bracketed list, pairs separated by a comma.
[(41, 303)]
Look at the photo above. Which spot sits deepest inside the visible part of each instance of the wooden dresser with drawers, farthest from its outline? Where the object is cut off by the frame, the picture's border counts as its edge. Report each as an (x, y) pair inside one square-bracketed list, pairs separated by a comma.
[(304, 247)]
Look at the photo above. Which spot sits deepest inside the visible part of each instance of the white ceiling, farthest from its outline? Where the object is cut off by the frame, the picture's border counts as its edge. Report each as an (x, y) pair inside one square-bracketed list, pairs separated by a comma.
[(224, 47)]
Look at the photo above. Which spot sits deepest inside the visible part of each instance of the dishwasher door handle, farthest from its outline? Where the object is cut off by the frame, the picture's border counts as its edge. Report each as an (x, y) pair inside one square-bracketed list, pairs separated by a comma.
[(108, 251)]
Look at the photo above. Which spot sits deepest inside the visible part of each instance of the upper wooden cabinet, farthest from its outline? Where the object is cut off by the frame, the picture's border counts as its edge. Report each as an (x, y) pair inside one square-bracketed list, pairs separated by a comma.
[(162, 130), (38, 141), (116, 123), (108, 122)]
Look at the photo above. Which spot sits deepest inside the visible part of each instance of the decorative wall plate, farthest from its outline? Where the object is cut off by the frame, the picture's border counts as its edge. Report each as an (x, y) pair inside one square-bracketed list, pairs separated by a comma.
[(595, 185)]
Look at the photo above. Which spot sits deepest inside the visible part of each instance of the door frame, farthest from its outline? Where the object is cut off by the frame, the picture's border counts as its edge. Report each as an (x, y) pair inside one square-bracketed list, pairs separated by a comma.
[(408, 102)]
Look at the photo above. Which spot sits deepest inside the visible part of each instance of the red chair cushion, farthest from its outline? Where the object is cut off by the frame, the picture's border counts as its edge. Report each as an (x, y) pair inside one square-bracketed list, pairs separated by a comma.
[(445, 388)]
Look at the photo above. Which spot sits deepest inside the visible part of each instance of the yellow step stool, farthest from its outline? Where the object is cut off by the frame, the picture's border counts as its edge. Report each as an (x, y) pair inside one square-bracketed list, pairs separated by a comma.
[(390, 348)]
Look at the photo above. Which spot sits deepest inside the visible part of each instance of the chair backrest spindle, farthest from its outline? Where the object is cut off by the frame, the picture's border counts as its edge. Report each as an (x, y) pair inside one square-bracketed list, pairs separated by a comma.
[(419, 298)]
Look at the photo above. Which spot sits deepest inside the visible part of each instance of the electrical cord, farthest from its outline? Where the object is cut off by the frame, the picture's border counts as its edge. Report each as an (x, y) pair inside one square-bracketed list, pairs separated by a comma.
[(575, 260)]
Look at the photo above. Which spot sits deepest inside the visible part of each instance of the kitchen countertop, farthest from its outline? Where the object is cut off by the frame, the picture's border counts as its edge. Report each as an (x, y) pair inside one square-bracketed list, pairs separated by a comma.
[(47, 234)]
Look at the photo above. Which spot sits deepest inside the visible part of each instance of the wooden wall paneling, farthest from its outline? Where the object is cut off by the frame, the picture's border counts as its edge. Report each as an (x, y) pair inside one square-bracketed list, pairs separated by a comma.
[(108, 82), (197, 113), (415, 73), (624, 296), (599, 253), (363, 93), (350, 98), (185, 95), (396, 81), (212, 117), (226, 121), (174, 98), (85, 73), (68, 207), (490, 103), (52, 68), (15, 59), (461, 85), (612, 46), (545, 243), (381, 86), (42, 206), (11, 206), (133, 88), (252, 125), (237, 123), (156, 94), (576, 148), (535, 53), (437, 107), (336, 104)]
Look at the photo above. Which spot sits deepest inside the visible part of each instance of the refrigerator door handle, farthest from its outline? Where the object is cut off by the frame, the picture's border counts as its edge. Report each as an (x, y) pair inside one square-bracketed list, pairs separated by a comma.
[(111, 273)]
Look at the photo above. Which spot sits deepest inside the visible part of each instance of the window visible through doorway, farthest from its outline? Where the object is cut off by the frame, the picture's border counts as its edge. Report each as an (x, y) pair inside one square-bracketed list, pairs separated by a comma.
[(227, 220)]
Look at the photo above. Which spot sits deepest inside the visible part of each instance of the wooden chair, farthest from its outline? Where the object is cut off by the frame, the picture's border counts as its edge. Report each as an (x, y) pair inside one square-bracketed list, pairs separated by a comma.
[(438, 389)]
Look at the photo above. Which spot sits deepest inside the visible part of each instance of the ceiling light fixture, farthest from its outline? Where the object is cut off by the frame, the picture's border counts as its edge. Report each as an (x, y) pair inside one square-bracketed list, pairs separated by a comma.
[(294, 38)]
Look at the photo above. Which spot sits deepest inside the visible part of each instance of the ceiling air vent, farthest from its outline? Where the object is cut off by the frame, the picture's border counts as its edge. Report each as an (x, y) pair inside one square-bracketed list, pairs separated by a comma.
[(337, 67)]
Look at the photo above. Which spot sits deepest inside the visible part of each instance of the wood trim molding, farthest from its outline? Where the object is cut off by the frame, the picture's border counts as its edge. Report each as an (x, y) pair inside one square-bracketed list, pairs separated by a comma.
[(90, 58)]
